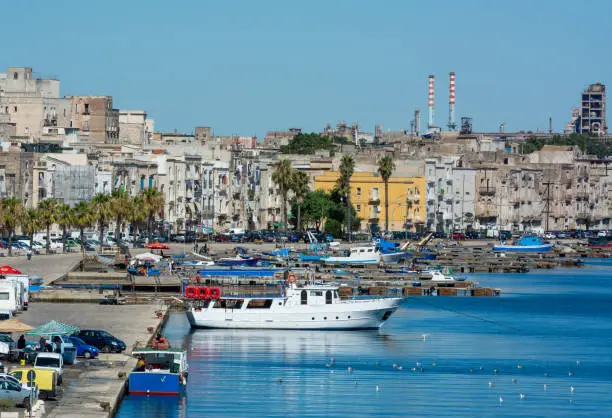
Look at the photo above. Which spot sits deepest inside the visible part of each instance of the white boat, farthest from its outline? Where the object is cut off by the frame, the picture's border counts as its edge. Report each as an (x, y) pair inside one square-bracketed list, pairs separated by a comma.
[(311, 307), (357, 255), (437, 276), (394, 257)]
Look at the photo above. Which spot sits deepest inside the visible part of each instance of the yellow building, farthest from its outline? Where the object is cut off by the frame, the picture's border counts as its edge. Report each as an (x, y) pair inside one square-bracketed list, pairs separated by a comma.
[(406, 199)]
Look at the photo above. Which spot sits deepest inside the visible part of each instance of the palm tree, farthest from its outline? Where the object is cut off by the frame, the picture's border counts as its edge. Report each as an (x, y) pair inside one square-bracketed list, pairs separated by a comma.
[(153, 204), (120, 206), (30, 223), (136, 214), (299, 186), (100, 209), (82, 217), (12, 213), (386, 166), (47, 211), (64, 221), (347, 167), (282, 176)]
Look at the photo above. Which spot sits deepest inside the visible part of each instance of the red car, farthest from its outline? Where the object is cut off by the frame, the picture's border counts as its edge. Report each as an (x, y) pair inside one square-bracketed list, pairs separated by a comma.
[(458, 236)]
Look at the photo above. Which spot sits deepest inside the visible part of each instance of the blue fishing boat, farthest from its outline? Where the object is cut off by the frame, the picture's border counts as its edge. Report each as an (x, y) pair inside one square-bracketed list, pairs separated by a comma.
[(159, 372), (526, 244), (389, 251)]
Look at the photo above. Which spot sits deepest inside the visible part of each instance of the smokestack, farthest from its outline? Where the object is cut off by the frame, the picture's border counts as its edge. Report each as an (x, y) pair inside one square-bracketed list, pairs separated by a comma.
[(431, 102), (417, 121), (451, 102), (550, 125)]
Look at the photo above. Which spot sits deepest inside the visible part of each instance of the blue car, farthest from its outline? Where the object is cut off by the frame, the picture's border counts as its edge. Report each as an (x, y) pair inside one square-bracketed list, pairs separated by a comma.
[(83, 349)]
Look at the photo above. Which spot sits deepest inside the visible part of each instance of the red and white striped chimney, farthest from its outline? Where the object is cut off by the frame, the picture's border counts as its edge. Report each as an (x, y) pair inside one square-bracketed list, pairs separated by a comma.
[(451, 102), (431, 101)]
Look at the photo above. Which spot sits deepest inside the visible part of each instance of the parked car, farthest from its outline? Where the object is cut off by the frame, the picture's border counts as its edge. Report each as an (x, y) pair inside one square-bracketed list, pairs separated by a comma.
[(51, 361), (15, 392), (45, 380), (102, 340), (141, 243), (83, 349), (458, 236)]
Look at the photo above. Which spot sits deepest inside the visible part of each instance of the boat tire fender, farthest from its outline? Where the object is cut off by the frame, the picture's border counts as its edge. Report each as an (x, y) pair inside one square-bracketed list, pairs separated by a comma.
[(292, 278), (215, 293), (191, 292), (204, 293)]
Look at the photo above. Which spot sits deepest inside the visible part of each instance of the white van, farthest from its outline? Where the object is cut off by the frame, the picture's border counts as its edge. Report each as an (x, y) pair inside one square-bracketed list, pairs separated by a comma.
[(25, 281), (7, 297)]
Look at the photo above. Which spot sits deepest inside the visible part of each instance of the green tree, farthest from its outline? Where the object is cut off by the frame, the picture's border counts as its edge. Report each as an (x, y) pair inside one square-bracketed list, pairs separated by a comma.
[(154, 205), (386, 166), (100, 209), (120, 206), (307, 144), (30, 224), (12, 213), (314, 208), (47, 211), (282, 176), (347, 168), (83, 217), (299, 186), (64, 221)]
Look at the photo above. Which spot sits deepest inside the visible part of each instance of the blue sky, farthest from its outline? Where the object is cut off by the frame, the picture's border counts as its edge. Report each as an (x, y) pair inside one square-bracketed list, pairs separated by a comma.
[(245, 67)]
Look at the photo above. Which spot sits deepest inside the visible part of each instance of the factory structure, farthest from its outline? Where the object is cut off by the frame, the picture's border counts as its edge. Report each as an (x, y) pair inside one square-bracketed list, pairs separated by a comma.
[(590, 117)]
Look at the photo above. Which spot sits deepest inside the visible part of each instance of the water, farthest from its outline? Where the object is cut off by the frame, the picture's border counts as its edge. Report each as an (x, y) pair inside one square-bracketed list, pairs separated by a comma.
[(545, 322)]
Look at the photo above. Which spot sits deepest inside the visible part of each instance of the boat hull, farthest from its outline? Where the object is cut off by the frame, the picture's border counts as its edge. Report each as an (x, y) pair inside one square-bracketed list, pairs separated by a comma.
[(247, 262), (367, 314), (393, 257), (151, 383), (348, 260), (523, 249)]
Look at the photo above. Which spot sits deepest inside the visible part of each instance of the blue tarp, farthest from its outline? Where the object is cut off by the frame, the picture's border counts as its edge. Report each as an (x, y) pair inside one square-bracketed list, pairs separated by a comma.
[(236, 272)]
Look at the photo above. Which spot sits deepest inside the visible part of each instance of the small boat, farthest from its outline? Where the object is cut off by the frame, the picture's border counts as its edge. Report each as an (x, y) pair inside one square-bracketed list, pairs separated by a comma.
[(526, 244), (600, 242), (389, 251), (357, 255), (239, 260), (438, 276), (160, 372)]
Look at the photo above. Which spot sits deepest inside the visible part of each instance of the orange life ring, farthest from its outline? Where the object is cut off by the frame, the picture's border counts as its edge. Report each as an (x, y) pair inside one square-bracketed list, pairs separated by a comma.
[(292, 278), (203, 292), (215, 293), (191, 292), (162, 344)]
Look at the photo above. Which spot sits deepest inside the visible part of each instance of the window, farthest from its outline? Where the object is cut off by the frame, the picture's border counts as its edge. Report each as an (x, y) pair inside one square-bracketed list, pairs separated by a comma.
[(86, 111), (76, 108), (86, 125), (15, 109), (358, 208), (15, 76), (259, 304), (358, 191), (316, 293)]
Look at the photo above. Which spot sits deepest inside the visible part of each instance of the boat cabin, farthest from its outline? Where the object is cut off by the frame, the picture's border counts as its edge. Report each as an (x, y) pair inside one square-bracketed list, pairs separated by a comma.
[(165, 361)]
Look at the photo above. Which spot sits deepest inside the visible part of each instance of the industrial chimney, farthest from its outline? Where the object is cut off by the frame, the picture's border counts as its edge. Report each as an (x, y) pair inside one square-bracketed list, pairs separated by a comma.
[(417, 122), (431, 102), (451, 102)]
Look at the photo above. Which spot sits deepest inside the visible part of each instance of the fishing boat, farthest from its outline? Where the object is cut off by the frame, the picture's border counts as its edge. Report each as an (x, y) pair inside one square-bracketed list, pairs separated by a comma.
[(238, 260), (526, 244), (357, 255), (390, 252), (600, 242), (309, 307), (438, 276), (160, 372)]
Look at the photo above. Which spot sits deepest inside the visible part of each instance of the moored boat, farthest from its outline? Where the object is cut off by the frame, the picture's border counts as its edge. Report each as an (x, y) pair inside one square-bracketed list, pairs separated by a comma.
[(159, 372), (358, 256), (309, 307), (526, 244), (239, 260)]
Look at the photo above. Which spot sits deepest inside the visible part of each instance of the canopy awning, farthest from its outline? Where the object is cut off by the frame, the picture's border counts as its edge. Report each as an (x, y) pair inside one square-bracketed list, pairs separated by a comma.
[(148, 256), (13, 325), (9, 270), (52, 328)]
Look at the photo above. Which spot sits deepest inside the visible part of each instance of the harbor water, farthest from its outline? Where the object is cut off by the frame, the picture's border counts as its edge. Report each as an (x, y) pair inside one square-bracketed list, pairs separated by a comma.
[(544, 348)]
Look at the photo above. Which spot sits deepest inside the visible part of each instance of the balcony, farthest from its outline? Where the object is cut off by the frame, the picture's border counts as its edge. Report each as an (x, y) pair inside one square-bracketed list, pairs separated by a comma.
[(582, 196), (374, 199), (486, 191)]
